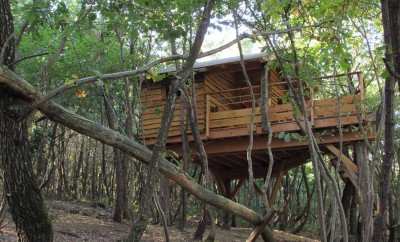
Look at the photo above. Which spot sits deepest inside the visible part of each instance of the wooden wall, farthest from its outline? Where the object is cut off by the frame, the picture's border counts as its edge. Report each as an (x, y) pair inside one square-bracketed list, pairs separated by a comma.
[(153, 99), (217, 82), (211, 97), (276, 91)]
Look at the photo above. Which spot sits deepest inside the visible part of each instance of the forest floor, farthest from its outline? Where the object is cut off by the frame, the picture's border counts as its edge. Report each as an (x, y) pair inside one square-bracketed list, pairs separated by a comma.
[(75, 222)]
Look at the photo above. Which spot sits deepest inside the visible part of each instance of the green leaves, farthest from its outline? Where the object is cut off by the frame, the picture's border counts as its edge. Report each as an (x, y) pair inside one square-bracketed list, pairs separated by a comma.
[(287, 137), (155, 76)]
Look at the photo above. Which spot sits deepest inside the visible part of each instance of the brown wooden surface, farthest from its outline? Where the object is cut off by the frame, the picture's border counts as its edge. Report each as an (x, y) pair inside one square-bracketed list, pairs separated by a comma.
[(235, 123), (224, 114)]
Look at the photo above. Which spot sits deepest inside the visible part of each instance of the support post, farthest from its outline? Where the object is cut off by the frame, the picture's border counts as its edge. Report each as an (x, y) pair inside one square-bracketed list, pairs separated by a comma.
[(366, 191)]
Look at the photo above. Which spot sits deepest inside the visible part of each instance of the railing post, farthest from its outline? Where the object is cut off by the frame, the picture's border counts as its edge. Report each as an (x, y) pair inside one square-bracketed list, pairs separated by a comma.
[(361, 88)]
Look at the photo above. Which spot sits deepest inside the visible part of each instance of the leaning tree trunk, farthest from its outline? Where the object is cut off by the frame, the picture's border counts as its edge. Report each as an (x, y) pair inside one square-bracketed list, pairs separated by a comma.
[(23, 194)]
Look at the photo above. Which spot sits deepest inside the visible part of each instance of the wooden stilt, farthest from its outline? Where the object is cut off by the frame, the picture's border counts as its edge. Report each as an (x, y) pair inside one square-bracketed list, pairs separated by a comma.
[(275, 189)]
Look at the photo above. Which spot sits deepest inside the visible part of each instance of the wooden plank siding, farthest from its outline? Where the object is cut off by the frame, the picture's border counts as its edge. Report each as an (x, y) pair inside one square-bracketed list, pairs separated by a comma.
[(216, 84), (276, 92), (153, 101)]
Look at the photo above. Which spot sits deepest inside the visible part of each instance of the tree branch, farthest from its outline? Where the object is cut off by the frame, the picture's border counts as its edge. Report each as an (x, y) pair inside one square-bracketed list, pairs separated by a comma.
[(29, 57)]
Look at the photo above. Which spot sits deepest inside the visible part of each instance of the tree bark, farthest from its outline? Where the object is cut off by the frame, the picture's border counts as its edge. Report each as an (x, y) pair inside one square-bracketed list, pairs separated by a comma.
[(23, 194), (78, 168), (391, 28), (366, 192), (121, 197), (165, 202), (185, 160)]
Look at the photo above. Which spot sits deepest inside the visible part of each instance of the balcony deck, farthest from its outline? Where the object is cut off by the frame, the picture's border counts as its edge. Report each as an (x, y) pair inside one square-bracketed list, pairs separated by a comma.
[(224, 119), (226, 114)]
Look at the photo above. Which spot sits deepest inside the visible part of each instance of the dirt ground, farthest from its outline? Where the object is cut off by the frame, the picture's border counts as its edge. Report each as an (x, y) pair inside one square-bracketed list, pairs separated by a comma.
[(75, 222)]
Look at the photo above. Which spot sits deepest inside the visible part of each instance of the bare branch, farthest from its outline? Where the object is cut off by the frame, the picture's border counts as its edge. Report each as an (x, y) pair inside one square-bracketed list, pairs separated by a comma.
[(30, 57)]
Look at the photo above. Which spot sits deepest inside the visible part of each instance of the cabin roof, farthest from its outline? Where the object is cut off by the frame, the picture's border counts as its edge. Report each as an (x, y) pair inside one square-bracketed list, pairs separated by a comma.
[(201, 66)]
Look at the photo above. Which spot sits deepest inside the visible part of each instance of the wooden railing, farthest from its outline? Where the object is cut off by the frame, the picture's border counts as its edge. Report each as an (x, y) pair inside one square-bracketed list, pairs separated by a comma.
[(323, 114), (238, 97), (229, 115), (224, 119)]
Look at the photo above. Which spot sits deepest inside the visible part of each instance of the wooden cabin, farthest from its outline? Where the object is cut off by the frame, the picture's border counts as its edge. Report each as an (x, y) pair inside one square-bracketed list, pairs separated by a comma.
[(224, 110)]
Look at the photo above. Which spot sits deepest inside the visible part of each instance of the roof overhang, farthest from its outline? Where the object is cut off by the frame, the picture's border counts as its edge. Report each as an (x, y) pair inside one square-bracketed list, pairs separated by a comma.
[(202, 66)]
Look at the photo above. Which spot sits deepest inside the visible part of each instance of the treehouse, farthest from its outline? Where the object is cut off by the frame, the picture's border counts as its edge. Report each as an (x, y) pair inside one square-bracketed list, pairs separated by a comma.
[(224, 108)]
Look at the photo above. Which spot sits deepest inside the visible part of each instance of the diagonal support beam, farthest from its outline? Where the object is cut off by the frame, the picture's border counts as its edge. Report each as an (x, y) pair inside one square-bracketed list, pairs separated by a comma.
[(350, 168)]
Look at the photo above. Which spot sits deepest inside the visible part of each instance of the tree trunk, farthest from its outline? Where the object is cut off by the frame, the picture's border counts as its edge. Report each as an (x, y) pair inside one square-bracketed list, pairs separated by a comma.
[(78, 168), (24, 197), (121, 198), (391, 28), (185, 160), (85, 170), (348, 198), (165, 201), (93, 176), (366, 192), (23, 194)]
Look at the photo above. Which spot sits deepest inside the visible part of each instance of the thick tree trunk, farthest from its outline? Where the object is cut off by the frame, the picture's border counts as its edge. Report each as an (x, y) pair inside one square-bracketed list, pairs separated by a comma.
[(24, 198), (348, 198), (121, 198), (23, 194), (366, 192), (62, 185), (391, 27)]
